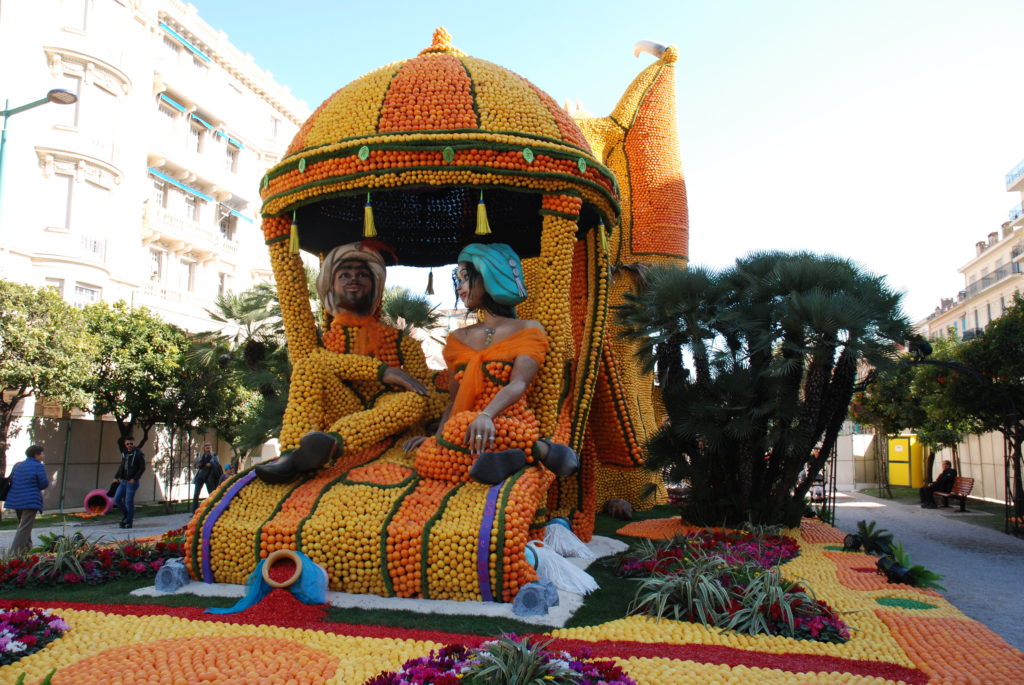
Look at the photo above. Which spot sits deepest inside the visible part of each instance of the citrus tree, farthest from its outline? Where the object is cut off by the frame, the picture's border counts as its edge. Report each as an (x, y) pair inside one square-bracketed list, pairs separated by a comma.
[(44, 352)]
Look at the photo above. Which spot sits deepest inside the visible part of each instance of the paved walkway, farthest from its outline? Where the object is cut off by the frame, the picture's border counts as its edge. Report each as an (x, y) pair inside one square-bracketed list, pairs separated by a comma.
[(109, 530), (982, 568)]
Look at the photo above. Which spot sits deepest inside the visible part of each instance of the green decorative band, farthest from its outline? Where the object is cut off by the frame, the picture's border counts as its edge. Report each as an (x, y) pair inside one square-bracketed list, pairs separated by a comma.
[(439, 135), (904, 603), (837, 548), (442, 146), (425, 541), (563, 215), (540, 175), (330, 484), (498, 589), (496, 380), (206, 507), (277, 508), (278, 239), (452, 446), (381, 371), (385, 572), (474, 168)]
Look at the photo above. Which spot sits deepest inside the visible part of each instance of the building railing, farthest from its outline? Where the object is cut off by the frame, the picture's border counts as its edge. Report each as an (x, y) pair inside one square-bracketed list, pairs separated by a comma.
[(988, 280), (205, 239), (1017, 212), (1017, 250), (1014, 175)]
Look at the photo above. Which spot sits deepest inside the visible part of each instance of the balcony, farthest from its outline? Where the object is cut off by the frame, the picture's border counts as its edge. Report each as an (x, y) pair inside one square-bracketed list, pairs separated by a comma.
[(1017, 212), (184, 235), (987, 281), (1014, 177)]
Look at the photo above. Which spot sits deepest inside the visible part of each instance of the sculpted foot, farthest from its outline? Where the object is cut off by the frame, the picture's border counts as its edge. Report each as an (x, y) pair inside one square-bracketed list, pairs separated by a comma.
[(281, 470), (560, 459), (493, 467), (315, 450)]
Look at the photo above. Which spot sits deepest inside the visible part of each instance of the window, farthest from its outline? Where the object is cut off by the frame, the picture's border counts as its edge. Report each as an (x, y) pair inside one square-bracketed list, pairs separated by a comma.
[(227, 222), (275, 127), (156, 265), (67, 115), (92, 246), (223, 283), (85, 294), (195, 137), (193, 207), (57, 208), (159, 193), (187, 275), (231, 158), (57, 284)]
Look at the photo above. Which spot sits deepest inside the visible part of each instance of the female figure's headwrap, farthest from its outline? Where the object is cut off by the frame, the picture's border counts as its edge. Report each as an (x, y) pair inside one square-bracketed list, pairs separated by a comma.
[(364, 251), (501, 270)]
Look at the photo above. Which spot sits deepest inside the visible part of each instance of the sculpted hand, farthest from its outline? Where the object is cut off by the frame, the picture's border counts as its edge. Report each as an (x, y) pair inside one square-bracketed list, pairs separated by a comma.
[(480, 434), (396, 376), (411, 444)]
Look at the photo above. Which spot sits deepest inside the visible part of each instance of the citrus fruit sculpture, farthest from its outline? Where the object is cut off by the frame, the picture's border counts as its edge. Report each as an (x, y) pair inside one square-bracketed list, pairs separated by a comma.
[(424, 146)]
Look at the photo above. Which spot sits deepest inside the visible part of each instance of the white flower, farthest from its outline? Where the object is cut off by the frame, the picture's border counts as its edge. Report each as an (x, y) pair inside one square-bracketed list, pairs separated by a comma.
[(15, 646)]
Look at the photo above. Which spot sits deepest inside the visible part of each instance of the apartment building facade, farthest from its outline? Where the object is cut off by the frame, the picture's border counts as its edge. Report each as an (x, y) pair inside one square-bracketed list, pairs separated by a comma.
[(146, 189)]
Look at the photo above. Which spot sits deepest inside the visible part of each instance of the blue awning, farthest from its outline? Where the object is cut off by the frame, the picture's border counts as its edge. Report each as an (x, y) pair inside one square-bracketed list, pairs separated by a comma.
[(231, 140), (241, 216), (173, 103), (202, 121), (181, 39), (179, 184)]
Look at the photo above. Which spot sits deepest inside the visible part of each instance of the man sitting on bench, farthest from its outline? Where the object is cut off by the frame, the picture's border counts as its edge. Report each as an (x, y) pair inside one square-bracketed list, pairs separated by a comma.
[(941, 484)]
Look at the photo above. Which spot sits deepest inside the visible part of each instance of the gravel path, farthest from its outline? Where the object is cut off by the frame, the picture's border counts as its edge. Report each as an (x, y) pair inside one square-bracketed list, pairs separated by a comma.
[(982, 568)]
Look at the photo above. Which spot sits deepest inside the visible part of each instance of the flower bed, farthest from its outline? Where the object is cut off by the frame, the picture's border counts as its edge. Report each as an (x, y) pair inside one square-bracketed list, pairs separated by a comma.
[(902, 635), (457, 664), (728, 579), (75, 560), (26, 631)]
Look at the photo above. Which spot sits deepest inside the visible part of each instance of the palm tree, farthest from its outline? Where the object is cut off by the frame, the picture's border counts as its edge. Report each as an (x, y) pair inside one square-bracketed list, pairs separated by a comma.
[(767, 353)]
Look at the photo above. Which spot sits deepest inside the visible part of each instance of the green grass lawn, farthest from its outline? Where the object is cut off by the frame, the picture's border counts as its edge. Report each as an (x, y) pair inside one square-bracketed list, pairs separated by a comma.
[(994, 514), (608, 603)]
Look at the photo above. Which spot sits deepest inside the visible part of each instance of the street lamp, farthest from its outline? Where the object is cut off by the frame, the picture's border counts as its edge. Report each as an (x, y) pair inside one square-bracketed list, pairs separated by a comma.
[(57, 95)]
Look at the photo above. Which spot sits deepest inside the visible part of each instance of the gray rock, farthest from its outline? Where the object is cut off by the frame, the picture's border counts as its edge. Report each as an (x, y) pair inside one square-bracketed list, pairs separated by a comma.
[(172, 576), (534, 599)]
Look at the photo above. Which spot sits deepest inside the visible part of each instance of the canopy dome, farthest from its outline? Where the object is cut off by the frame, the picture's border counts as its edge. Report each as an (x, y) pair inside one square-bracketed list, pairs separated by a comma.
[(423, 137)]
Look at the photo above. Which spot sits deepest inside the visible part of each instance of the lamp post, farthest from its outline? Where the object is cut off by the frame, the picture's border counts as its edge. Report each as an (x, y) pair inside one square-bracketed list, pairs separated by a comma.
[(57, 95)]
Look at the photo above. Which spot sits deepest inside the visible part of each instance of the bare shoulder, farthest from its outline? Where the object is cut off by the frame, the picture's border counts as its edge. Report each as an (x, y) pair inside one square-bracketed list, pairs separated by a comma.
[(530, 323)]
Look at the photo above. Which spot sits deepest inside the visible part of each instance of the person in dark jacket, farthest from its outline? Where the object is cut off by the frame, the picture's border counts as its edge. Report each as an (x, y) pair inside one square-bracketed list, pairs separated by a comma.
[(28, 480), (208, 472), (133, 465), (941, 484)]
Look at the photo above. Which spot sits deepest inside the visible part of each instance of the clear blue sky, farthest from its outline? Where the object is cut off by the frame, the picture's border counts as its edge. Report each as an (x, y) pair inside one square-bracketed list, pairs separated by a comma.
[(876, 129)]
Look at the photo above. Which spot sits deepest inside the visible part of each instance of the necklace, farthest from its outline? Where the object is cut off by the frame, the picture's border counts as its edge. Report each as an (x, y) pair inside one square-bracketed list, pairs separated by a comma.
[(490, 336)]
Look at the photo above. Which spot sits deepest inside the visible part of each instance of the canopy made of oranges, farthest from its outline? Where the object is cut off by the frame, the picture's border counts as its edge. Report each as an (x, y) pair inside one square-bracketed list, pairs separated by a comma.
[(425, 140)]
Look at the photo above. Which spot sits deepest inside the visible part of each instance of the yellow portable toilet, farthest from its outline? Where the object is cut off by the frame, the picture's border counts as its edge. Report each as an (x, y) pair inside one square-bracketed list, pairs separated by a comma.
[(906, 461)]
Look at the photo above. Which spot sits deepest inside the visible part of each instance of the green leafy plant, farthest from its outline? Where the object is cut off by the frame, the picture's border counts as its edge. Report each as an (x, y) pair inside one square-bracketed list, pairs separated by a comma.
[(916, 575), (875, 540), (692, 593), (60, 554), (518, 662)]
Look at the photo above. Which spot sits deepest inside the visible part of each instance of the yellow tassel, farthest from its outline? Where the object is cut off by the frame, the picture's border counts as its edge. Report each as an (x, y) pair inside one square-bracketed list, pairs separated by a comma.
[(293, 237), (482, 227), (604, 236), (369, 229), (430, 283)]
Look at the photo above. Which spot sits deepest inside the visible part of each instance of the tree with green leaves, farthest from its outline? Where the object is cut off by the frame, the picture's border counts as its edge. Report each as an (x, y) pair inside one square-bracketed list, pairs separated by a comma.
[(762, 360), (44, 352), (136, 367)]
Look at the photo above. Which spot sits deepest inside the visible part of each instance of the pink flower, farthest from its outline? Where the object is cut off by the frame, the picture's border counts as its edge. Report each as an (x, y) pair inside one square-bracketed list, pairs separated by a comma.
[(138, 567)]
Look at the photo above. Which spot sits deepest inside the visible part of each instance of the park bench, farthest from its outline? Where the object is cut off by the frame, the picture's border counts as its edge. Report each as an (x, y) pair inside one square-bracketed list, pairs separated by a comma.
[(961, 488)]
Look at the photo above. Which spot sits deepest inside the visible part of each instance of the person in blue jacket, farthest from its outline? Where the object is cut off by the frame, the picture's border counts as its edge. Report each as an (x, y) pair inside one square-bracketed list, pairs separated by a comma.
[(28, 480)]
